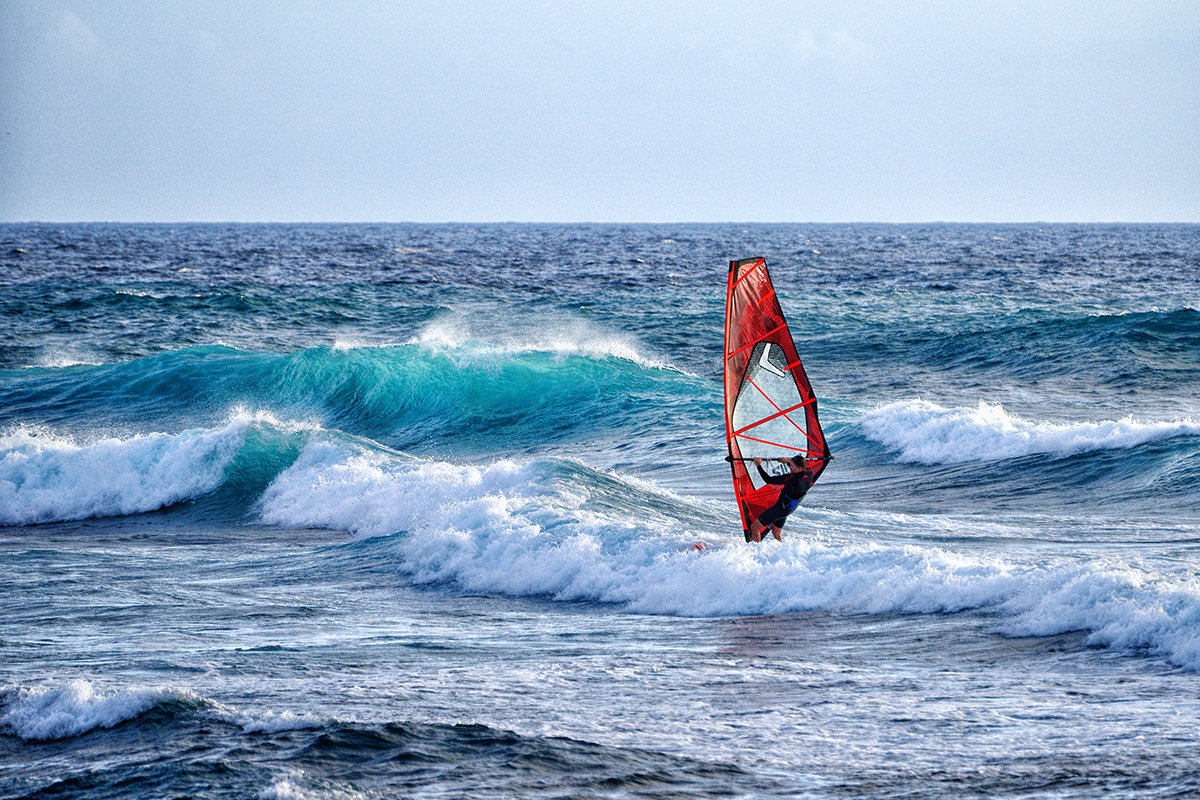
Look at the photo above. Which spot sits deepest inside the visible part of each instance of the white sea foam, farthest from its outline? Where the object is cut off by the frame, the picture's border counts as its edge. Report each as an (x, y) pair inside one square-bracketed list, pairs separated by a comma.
[(373, 493), (927, 433), (518, 530), (266, 721), (1118, 606), (74, 708), (48, 478), (295, 786)]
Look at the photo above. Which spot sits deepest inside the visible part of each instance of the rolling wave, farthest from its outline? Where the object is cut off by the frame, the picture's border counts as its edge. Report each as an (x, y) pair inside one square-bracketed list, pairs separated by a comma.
[(432, 389), (46, 478), (72, 709), (260, 458)]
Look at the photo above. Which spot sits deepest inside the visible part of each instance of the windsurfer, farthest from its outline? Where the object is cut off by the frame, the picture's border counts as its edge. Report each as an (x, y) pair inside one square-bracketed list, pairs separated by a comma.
[(796, 484)]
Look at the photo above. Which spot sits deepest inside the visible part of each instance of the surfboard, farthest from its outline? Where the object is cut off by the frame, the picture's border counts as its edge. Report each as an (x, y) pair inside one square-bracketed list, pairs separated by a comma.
[(770, 407)]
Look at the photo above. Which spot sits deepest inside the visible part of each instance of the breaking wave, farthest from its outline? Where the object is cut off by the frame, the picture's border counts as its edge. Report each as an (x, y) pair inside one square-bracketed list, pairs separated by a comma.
[(47, 478), (557, 529)]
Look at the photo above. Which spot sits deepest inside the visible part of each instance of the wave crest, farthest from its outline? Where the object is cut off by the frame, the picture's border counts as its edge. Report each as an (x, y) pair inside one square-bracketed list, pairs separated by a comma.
[(568, 337)]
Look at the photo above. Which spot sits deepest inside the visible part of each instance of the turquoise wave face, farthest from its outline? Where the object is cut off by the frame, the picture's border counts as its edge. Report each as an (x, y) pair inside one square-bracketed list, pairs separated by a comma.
[(472, 397)]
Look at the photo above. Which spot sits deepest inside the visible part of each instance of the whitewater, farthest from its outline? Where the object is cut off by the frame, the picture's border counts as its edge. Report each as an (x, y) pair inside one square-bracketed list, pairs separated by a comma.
[(342, 511)]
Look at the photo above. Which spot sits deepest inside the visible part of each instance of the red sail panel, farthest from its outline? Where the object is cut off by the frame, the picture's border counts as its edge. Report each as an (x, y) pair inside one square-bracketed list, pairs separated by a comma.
[(770, 409)]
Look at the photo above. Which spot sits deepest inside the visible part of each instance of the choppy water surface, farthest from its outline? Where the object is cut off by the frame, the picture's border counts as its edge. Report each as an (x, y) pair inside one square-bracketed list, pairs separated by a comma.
[(376, 510)]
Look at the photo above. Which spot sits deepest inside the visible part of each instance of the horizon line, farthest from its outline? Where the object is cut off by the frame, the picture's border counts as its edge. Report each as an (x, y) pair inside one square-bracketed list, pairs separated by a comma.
[(588, 222)]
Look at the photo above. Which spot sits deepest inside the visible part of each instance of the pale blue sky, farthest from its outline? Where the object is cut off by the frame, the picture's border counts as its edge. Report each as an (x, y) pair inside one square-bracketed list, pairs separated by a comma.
[(599, 111)]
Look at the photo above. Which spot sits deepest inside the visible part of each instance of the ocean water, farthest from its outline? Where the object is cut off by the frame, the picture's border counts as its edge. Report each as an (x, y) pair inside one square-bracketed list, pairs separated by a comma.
[(342, 511)]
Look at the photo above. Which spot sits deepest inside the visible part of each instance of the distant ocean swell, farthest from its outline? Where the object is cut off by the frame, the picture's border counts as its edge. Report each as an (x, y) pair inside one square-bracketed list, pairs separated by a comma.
[(159, 741), (1045, 343), (961, 339)]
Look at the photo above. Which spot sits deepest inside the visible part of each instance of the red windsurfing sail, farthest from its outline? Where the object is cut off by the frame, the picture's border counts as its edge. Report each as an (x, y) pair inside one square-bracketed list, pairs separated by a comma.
[(770, 408)]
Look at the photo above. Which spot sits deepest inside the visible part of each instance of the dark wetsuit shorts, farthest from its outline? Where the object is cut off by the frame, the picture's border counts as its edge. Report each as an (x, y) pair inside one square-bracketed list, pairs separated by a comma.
[(777, 514)]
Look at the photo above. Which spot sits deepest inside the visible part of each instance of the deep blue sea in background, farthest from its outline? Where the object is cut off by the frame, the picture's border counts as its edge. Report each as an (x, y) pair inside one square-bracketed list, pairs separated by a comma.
[(341, 511)]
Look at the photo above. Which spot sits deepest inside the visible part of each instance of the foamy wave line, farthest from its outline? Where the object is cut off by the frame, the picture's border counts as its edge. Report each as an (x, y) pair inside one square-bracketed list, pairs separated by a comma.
[(49, 478), (267, 721), (1117, 606), (518, 530), (77, 707), (927, 433)]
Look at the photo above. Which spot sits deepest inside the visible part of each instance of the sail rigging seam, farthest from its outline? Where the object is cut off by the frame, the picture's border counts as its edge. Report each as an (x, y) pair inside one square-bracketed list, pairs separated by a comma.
[(785, 416), (777, 408)]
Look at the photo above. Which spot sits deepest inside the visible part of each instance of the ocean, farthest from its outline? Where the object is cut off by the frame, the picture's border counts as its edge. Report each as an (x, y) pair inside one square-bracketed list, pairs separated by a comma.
[(358, 511)]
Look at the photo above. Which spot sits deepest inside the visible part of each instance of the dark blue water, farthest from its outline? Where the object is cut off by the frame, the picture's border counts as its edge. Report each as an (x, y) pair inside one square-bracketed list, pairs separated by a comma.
[(362, 510)]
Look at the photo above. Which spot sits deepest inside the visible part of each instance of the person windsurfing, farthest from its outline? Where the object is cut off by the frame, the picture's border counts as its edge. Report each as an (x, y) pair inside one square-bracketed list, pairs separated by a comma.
[(769, 403), (796, 483)]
